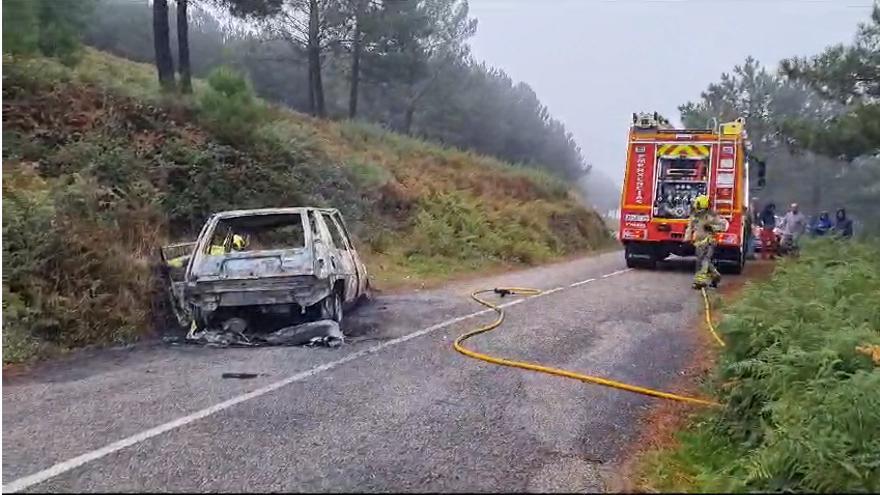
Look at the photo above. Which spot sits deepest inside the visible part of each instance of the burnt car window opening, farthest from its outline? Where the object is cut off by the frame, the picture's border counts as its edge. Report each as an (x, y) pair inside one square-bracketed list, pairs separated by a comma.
[(257, 233), (313, 222), (341, 225), (336, 236)]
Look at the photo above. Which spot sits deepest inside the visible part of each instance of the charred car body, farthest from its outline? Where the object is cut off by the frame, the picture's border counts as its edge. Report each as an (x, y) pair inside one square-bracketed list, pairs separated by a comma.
[(260, 270)]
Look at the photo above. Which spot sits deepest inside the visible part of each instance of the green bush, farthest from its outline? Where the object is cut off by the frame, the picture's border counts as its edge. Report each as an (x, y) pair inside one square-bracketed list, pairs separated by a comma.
[(49, 27), (69, 273), (453, 225), (20, 27), (229, 107), (29, 240), (369, 175), (802, 407), (19, 319)]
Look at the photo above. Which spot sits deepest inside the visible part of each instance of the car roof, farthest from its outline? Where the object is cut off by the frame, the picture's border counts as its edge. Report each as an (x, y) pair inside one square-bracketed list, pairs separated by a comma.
[(271, 211)]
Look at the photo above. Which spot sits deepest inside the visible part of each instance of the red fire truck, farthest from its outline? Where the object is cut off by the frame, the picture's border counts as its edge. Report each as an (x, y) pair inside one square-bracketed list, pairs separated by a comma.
[(666, 169)]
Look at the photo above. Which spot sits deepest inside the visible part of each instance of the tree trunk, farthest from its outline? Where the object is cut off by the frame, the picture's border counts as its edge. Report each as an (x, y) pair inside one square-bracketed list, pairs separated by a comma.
[(408, 117), (319, 86), (183, 47), (162, 43), (355, 63), (314, 53), (311, 85)]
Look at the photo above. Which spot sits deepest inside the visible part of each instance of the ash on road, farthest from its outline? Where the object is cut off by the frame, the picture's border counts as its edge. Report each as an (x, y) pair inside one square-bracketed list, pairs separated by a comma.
[(402, 411)]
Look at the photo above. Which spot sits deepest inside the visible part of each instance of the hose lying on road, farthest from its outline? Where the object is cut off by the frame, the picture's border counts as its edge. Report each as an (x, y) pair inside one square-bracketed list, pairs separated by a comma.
[(556, 371), (709, 318)]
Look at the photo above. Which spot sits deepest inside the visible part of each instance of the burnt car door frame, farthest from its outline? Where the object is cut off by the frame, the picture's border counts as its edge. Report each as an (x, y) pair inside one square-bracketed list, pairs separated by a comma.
[(360, 268), (176, 278), (341, 256)]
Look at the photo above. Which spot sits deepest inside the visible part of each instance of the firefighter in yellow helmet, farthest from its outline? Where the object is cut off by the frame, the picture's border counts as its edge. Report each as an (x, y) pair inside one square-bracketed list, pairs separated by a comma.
[(701, 229), (237, 243)]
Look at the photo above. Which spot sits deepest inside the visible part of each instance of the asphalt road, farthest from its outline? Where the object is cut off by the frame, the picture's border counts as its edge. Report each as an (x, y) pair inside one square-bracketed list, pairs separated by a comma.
[(394, 409)]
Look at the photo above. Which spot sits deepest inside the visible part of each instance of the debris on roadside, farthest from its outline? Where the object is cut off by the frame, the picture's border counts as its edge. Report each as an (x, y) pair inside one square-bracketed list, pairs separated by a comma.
[(321, 333), (241, 376), (311, 333)]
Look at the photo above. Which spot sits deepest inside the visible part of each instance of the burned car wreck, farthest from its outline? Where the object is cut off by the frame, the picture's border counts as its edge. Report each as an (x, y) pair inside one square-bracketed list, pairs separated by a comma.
[(275, 276)]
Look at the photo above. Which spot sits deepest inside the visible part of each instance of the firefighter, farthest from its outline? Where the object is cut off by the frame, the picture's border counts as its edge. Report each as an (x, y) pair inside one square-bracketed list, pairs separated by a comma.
[(701, 229)]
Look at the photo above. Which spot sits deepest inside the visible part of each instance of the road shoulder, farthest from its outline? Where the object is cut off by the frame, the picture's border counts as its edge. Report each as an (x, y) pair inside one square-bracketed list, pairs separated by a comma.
[(659, 425)]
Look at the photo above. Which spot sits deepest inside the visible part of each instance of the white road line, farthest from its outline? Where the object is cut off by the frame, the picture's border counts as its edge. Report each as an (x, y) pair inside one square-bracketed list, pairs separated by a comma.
[(582, 282), (618, 272), (511, 303), (70, 464), (548, 292)]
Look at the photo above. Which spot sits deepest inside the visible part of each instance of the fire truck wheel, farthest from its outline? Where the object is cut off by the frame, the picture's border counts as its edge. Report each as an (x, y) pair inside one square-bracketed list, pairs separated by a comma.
[(641, 264), (737, 268), (734, 261), (640, 257)]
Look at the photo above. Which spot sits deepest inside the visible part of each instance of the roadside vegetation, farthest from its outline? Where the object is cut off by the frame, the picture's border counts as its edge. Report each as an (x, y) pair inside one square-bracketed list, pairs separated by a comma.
[(798, 383), (800, 375), (101, 168)]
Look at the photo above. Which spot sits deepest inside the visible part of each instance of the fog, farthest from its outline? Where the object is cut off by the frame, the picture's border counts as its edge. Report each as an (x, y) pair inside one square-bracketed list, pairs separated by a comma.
[(595, 62)]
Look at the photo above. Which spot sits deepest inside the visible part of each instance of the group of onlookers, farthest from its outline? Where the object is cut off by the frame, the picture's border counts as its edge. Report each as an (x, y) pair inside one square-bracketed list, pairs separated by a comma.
[(782, 235)]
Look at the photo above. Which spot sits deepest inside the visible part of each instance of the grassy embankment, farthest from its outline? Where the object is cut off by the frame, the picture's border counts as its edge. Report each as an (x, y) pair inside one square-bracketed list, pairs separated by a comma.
[(801, 393), (99, 169)]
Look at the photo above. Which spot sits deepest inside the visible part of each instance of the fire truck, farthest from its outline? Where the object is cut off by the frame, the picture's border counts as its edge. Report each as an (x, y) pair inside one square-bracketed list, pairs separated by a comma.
[(666, 168)]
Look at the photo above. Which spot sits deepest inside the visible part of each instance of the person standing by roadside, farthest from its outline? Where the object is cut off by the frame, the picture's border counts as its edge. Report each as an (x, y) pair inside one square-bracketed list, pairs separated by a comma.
[(754, 220), (823, 224), (767, 221), (843, 226), (794, 224)]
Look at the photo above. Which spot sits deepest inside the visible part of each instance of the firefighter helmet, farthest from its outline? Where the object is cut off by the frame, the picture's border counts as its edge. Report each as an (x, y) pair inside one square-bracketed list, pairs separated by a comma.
[(238, 242), (701, 202)]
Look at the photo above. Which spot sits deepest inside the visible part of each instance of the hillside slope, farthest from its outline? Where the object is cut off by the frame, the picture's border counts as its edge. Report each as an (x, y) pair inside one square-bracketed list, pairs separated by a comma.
[(100, 170)]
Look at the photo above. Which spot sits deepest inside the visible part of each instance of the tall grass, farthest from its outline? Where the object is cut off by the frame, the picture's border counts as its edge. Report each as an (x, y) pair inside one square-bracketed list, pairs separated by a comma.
[(802, 404), (75, 264)]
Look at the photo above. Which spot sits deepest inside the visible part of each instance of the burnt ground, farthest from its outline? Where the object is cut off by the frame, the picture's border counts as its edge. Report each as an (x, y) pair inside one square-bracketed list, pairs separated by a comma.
[(394, 409)]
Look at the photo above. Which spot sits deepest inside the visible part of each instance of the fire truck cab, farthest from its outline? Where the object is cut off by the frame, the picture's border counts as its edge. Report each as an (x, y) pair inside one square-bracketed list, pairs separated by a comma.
[(666, 169)]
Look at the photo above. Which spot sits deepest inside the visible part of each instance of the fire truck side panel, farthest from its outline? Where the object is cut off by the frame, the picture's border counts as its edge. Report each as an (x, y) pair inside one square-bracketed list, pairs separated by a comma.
[(726, 190), (640, 177), (638, 189)]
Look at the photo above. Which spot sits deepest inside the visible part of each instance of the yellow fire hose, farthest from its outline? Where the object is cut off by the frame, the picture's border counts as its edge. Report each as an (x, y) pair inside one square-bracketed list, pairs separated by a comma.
[(709, 318), (560, 372)]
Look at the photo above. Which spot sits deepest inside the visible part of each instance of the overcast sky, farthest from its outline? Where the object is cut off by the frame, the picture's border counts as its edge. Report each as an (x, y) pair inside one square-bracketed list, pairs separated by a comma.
[(594, 62)]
